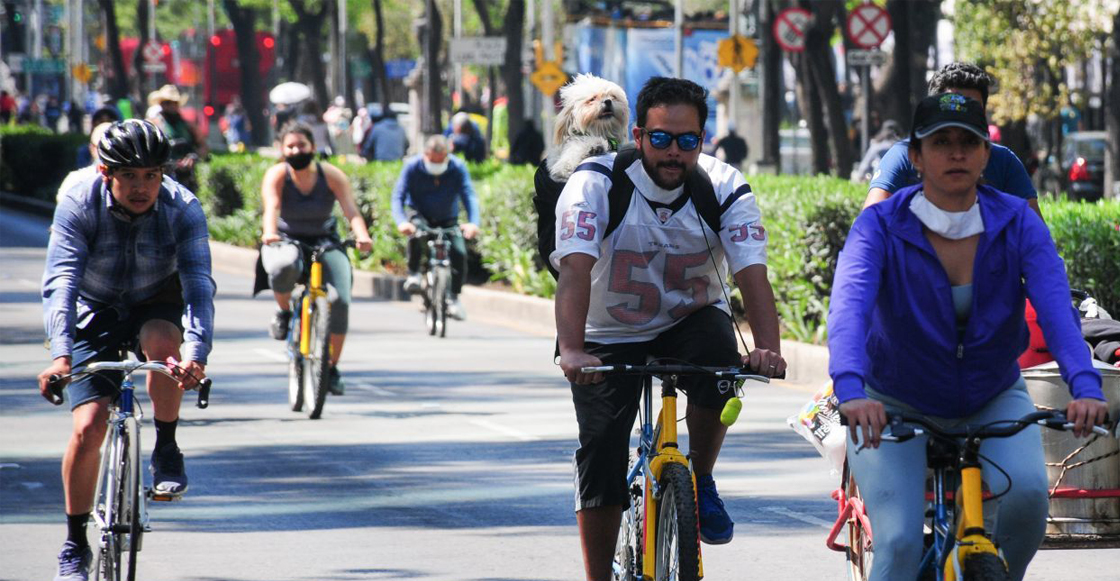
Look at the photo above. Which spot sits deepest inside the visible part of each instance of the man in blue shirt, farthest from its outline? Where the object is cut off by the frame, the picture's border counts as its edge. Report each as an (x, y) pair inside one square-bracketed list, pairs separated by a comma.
[(1004, 171), (128, 267), (428, 193)]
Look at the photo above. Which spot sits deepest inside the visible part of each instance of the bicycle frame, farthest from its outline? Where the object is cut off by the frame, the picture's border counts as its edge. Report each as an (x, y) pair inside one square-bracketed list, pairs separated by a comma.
[(657, 447)]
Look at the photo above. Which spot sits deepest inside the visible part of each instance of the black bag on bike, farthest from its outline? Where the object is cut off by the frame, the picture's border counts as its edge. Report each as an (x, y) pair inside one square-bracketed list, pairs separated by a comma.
[(697, 185)]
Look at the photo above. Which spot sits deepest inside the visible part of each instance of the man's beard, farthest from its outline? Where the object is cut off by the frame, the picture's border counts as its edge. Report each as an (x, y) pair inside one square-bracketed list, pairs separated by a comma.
[(651, 171)]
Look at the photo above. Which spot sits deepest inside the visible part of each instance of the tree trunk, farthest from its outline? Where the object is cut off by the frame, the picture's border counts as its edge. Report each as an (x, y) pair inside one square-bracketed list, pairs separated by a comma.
[(771, 87), (433, 42), (809, 101), (309, 26), (118, 88), (915, 29), (142, 87), (1112, 116), (377, 57), (244, 27), (818, 55), (512, 77)]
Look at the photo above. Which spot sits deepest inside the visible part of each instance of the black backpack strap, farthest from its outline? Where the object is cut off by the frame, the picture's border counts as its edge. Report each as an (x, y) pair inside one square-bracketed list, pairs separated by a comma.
[(699, 187), (622, 188)]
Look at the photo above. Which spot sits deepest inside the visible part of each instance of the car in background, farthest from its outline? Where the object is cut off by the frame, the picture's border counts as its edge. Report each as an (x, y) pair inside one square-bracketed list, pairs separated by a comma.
[(1081, 165)]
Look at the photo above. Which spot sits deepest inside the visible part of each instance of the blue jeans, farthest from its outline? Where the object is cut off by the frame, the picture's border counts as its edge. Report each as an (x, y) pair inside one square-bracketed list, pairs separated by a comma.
[(892, 483)]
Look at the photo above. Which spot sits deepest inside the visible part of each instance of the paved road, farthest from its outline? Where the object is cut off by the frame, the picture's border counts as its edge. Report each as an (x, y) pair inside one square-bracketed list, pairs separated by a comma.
[(446, 459)]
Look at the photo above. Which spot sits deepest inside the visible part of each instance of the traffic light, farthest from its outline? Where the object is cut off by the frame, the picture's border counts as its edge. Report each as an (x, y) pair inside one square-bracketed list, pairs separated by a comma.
[(216, 40), (14, 29), (208, 110)]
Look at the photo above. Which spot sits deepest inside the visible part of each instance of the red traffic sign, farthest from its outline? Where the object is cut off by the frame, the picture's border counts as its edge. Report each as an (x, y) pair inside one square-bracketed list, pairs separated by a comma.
[(868, 25), (789, 28), (152, 51)]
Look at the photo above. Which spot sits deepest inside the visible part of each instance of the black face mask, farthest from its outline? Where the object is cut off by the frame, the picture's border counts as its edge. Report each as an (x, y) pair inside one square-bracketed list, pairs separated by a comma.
[(300, 160)]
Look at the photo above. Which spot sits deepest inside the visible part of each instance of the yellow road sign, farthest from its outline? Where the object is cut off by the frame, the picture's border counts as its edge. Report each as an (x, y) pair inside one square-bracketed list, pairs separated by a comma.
[(737, 53), (548, 78), (82, 73)]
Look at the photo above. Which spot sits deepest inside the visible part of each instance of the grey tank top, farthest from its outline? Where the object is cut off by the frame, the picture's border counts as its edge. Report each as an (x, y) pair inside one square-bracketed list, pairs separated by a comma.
[(307, 214)]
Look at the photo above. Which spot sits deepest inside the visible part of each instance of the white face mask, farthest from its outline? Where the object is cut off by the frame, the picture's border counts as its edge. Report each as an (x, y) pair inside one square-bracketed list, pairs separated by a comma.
[(951, 225), (435, 168)]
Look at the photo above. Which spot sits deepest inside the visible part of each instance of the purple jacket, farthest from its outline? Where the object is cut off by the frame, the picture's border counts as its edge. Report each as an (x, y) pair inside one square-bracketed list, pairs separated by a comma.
[(892, 325)]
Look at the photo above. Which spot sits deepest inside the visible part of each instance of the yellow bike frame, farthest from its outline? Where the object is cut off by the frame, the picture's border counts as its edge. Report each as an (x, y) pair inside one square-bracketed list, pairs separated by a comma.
[(970, 523), (665, 452), (314, 291)]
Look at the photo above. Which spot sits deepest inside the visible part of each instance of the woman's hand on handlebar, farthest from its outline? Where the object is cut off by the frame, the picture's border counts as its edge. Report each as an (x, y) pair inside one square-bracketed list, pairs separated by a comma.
[(867, 415), (571, 362), (1086, 413), (270, 238), (406, 228), (59, 367), (364, 244)]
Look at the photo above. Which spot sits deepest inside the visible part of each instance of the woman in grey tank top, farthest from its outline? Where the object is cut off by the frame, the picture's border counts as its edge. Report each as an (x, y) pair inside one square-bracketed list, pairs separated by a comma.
[(298, 199)]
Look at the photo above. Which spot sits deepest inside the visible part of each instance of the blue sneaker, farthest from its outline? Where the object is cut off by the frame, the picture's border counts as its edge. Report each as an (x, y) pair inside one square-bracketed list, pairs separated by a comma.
[(73, 562), (716, 527)]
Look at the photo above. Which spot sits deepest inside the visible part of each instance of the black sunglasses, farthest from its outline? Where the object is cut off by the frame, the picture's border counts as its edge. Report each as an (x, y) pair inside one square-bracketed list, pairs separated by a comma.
[(661, 139)]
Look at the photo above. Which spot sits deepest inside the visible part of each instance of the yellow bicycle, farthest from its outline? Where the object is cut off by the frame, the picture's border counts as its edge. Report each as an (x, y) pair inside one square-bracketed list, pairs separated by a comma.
[(659, 537)]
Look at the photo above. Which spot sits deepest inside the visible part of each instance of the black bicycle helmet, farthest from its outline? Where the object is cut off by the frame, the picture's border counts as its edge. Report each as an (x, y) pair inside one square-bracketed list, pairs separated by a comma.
[(133, 143)]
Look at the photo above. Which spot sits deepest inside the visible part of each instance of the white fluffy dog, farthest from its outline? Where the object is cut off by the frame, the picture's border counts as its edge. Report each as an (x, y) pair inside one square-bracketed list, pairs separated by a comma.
[(593, 120)]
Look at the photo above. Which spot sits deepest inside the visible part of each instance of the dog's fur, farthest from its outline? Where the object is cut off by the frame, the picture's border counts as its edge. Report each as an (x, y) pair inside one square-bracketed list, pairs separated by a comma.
[(593, 120)]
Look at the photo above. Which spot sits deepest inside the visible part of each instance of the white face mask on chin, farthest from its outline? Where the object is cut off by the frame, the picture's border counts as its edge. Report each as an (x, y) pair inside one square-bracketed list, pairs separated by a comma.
[(951, 225), (435, 168)]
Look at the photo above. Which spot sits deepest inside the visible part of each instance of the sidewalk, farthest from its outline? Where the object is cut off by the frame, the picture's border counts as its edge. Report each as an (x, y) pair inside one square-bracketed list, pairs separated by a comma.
[(808, 364)]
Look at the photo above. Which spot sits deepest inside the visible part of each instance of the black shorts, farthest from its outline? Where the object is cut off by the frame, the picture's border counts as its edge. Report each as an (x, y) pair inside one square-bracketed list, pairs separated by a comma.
[(606, 411), (102, 333)]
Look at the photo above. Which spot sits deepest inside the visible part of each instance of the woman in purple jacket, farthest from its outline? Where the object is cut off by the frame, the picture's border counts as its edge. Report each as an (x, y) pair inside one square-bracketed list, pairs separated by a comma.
[(927, 317)]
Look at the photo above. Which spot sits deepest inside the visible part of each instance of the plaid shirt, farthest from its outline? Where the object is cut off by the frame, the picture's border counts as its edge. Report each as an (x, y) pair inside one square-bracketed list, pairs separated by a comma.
[(99, 256)]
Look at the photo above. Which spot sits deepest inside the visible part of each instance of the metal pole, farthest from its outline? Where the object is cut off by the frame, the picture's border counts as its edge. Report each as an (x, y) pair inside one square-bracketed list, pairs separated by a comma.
[(547, 35), (733, 94), (210, 52), (678, 38), (865, 123), (342, 49), (528, 90), (458, 32), (151, 37)]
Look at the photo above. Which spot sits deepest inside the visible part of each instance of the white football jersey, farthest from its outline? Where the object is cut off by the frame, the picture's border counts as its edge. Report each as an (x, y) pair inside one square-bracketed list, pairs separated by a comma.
[(662, 262)]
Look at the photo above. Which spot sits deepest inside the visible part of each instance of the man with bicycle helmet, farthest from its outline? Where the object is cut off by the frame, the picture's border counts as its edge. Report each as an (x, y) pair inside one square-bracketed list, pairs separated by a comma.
[(128, 268)]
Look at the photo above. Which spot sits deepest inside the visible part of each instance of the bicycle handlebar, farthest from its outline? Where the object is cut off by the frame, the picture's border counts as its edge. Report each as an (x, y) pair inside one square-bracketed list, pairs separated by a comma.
[(422, 230), (724, 372), (54, 382), (902, 426)]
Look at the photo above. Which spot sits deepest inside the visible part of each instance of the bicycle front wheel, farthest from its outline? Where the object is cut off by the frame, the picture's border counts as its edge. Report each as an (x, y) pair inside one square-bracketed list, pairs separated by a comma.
[(317, 365), (295, 369), (127, 526), (678, 527), (443, 292)]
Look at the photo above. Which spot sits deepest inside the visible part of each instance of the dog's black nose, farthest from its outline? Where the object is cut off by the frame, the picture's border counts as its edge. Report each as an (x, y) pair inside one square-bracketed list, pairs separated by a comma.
[(607, 104)]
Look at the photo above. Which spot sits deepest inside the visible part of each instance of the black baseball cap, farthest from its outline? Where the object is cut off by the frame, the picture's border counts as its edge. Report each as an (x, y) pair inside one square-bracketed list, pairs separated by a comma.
[(943, 110)]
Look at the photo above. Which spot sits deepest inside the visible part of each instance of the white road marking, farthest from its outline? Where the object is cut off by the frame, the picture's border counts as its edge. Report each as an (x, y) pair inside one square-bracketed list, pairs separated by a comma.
[(32, 485), (503, 430), (269, 354), (29, 283), (371, 387), (805, 518)]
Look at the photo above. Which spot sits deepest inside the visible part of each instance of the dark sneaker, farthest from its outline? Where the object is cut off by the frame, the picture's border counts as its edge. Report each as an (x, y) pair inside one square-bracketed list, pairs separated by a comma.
[(281, 321), (412, 283), (716, 527), (335, 385), (169, 477), (73, 562)]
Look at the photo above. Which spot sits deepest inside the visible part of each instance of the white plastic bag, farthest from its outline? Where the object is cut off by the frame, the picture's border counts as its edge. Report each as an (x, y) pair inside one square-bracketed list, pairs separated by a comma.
[(818, 421)]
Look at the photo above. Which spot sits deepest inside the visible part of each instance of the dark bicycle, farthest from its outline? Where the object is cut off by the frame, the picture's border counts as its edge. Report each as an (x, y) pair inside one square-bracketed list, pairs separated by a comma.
[(435, 277)]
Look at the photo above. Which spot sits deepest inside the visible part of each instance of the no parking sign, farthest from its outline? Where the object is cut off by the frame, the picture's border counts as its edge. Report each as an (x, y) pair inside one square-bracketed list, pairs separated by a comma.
[(868, 25), (789, 28)]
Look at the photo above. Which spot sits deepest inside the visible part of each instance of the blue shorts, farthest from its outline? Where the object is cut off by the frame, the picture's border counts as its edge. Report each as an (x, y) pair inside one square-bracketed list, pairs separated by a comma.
[(102, 334)]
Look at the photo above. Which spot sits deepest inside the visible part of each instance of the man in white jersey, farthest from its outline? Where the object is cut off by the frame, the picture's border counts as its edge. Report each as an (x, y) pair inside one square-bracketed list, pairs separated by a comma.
[(652, 288)]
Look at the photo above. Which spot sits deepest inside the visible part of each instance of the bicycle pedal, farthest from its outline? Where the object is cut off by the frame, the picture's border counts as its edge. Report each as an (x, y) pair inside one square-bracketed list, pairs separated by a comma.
[(158, 497)]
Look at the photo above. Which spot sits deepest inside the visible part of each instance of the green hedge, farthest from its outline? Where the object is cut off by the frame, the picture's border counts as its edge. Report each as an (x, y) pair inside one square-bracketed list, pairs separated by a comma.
[(35, 160)]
